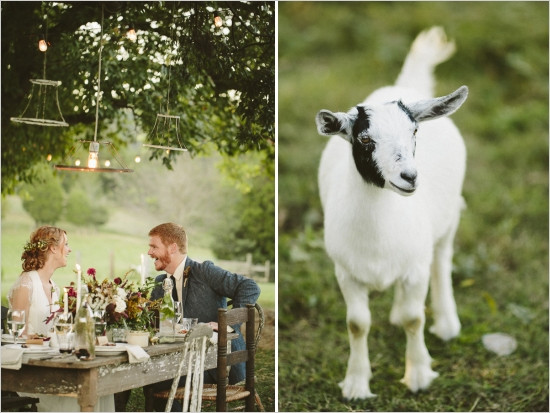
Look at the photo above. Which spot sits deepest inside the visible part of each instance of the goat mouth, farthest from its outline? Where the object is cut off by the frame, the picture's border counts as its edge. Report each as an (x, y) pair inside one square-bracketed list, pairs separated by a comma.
[(407, 191)]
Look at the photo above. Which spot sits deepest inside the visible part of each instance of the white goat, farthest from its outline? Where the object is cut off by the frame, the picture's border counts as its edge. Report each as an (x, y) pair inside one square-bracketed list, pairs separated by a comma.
[(376, 231)]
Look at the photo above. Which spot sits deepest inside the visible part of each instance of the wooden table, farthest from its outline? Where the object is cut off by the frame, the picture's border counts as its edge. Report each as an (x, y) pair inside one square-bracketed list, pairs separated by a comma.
[(88, 380)]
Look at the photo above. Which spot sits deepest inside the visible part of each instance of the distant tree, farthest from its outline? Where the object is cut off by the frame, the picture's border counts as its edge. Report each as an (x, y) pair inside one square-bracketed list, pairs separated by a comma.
[(43, 199), (78, 209), (219, 80), (249, 226)]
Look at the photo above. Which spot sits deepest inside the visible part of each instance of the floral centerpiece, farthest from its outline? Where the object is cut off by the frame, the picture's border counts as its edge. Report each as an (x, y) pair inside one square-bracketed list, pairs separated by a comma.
[(123, 302)]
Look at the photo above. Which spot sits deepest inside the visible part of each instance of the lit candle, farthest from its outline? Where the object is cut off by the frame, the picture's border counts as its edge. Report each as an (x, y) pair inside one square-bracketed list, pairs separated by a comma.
[(65, 302), (79, 272)]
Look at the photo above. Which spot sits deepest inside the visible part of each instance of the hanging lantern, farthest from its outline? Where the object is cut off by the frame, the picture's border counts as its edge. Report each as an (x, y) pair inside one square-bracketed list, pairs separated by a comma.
[(93, 147)]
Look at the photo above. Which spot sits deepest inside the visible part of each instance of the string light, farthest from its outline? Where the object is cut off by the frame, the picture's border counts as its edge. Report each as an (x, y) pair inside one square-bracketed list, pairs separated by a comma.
[(218, 22), (131, 34), (42, 45)]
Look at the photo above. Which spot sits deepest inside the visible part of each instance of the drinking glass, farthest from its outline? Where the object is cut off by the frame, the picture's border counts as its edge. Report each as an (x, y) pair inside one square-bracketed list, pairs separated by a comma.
[(63, 324), (100, 323), (178, 311), (16, 323)]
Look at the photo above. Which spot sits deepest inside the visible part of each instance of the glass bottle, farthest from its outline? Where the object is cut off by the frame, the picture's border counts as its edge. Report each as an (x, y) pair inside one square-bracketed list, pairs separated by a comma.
[(84, 332), (166, 325)]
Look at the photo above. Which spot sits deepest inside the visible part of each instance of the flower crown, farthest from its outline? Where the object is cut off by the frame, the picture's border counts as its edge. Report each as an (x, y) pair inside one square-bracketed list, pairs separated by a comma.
[(40, 245)]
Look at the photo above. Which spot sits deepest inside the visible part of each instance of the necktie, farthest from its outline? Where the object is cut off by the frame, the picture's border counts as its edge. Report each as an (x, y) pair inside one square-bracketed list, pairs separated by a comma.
[(174, 289)]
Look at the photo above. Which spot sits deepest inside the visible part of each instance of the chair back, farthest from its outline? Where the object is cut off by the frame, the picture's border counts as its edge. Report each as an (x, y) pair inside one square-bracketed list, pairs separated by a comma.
[(194, 352), (229, 317)]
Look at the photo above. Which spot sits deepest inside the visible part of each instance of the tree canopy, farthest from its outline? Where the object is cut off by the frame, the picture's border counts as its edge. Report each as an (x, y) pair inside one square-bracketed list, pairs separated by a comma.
[(219, 79)]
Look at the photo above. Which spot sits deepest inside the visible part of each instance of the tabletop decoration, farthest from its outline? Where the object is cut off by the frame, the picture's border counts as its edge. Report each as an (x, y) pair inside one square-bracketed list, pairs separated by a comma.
[(124, 302)]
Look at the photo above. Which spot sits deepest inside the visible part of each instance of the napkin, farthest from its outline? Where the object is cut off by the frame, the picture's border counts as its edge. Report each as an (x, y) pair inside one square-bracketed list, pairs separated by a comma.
[(12, 358), (136, 354)]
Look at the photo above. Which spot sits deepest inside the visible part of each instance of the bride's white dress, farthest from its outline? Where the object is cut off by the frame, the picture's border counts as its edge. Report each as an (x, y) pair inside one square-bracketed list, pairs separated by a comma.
[(39, 311)]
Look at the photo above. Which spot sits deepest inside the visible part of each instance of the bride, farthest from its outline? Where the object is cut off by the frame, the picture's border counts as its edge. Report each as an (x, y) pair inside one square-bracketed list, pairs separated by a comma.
[(37, 294)]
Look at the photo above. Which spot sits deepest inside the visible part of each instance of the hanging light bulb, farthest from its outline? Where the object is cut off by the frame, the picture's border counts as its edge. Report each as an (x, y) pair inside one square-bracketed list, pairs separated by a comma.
[(49, 157), (131, 34), (42, 45), (137, 159), (93, 157), (107, 163), (218, 22), (77, 162)]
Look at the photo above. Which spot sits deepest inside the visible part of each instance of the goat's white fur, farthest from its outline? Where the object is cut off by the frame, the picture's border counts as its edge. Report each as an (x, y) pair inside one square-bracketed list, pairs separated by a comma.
[(377, 237)]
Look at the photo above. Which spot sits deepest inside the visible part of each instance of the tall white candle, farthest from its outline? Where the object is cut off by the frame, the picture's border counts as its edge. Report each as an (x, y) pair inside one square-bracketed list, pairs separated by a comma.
[(65, 302), (78, 286), (142, 269)]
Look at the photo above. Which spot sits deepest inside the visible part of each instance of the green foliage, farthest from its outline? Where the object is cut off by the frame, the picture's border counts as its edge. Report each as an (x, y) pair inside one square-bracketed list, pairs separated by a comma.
[(332, 55), (43, 197), (79, 208), (220, 81), (248, 221)]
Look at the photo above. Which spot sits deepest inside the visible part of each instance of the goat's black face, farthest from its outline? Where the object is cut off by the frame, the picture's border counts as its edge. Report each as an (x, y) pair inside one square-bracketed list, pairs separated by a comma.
[(363, 147)]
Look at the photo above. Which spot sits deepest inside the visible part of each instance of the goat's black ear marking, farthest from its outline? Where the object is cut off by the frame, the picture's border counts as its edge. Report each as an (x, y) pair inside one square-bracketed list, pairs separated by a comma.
[(331, 124)]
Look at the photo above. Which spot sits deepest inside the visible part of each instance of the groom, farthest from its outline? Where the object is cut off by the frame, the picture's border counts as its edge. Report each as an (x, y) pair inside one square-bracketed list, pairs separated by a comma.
[(201, 287)]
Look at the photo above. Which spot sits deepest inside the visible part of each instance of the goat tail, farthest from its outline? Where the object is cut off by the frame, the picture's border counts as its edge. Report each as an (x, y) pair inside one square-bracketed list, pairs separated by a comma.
[(429, 49)]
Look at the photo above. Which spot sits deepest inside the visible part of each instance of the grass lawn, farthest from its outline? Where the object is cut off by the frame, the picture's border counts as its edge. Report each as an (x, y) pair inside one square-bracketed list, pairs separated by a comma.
[(331, 56)]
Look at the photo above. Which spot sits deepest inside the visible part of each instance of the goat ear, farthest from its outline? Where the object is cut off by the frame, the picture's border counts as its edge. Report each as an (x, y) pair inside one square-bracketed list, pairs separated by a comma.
[(437, 107), (330, 123)]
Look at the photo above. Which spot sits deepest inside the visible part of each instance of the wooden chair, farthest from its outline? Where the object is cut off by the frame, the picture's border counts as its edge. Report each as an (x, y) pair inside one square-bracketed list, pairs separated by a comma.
[(11, 401), (223, 393), (194, 353)]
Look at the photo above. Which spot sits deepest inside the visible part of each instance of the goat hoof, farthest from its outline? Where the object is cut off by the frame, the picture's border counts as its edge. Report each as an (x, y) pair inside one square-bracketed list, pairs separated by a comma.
[(419, 378), (356, 389)]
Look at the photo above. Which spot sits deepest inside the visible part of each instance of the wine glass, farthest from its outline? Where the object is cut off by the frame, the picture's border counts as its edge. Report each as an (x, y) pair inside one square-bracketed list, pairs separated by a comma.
[(63, 325), (100, 323), (16, 323), (178, 311)]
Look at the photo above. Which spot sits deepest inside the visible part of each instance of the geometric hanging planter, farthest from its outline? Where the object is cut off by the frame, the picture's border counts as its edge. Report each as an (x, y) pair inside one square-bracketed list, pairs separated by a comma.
[(85, 157), (166, 126), (91, 153), (43, 104)]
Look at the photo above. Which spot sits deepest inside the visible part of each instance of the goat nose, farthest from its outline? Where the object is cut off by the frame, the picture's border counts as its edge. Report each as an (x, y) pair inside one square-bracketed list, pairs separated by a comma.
[(409, 176)]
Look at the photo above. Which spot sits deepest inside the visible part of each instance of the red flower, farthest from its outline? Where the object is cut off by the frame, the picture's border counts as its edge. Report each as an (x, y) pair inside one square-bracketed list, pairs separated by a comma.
[(118, 280), (91, 271)]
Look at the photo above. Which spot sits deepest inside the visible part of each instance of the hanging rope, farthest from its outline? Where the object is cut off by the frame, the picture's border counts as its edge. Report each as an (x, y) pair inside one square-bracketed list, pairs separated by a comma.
[(99, 76)]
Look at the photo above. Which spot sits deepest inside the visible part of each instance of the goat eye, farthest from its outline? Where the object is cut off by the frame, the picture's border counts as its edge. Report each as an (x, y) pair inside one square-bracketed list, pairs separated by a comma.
[(366, 140)]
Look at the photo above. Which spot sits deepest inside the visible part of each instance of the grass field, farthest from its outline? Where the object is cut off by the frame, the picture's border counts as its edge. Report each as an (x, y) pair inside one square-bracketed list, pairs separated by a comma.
[(332, 55)]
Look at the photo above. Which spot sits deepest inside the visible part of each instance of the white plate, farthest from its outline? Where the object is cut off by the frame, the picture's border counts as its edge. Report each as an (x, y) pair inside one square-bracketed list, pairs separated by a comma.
[(34, 348), (7, 338), (110, 350), (34, 351)]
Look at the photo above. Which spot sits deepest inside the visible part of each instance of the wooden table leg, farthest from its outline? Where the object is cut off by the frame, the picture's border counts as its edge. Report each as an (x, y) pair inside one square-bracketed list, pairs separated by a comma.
[(87, 390), (148, 392)]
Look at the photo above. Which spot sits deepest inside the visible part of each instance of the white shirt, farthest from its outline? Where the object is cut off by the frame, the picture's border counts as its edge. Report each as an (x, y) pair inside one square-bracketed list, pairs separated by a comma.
[(178, 275)]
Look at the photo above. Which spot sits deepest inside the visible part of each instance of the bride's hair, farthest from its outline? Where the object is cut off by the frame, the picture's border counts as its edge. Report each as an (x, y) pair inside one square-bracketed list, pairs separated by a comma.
[(36, 249)]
